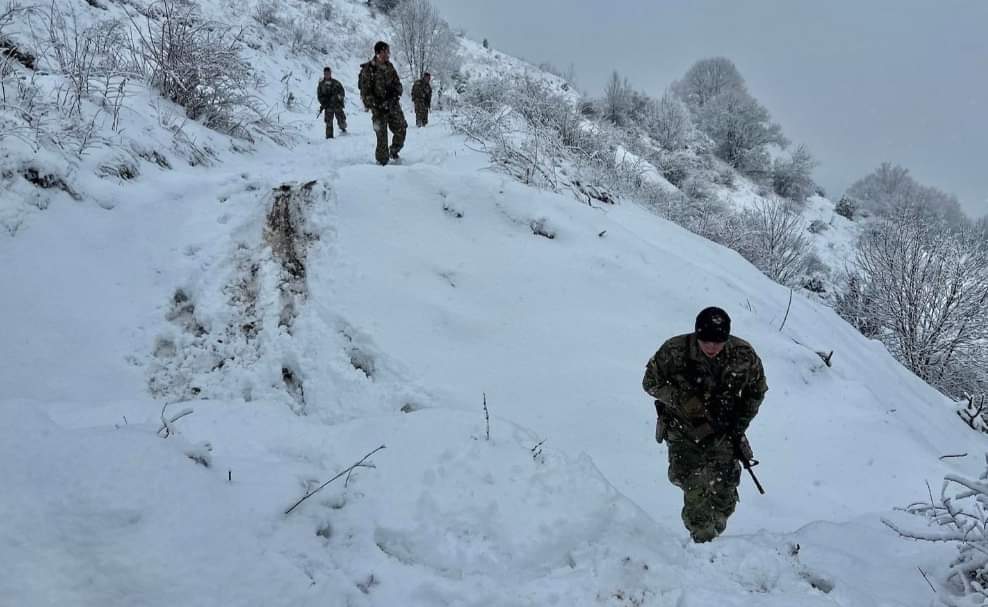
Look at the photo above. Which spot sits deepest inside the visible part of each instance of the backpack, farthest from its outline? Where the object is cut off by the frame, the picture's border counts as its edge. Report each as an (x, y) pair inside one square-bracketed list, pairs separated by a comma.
[(365, 83)]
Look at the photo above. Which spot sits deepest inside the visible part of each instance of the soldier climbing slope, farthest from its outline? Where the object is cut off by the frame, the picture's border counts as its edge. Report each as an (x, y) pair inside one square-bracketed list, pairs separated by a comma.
[(380, 90), (422, 98), (707, 387), (331, 98)]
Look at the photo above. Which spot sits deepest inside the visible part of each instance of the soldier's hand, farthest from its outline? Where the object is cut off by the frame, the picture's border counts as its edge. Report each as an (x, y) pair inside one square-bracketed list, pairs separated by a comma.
[(660, 430)]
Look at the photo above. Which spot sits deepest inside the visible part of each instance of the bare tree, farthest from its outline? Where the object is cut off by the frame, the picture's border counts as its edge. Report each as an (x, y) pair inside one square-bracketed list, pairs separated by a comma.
[(707, 79), (928, 289), (423, 39), (775, 240), (617, 99)]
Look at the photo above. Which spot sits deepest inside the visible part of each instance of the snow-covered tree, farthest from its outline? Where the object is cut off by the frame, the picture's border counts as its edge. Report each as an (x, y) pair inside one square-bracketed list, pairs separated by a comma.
[(423, 39), (706, 80), (891, 187), (740, 128), (792, 178), (927, 293)]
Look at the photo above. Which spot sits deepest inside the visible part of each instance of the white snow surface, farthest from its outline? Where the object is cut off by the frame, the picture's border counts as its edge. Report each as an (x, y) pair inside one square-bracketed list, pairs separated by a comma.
[(426, 291)]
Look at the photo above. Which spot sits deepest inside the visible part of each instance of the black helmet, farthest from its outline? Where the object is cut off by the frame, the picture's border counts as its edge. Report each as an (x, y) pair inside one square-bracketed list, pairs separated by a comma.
[(713, 324)]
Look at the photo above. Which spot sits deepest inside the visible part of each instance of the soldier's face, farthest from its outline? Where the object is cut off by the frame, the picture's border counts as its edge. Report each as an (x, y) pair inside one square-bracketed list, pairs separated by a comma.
[(711, 348), (326, 74), (384, 55)]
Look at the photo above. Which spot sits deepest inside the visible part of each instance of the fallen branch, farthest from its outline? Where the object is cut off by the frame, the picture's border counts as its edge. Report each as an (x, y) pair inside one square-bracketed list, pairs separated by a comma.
[(487, 417), (927, 580), (787, 312), (166, 424), (953, 455), (826, 356), (359, 464)]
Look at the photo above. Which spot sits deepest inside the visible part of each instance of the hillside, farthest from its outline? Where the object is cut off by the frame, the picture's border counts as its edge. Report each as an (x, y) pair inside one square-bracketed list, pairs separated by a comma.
[(310, 306)]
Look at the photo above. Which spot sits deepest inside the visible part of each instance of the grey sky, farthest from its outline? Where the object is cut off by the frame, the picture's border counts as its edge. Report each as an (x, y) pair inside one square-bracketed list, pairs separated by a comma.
[(858, 81)]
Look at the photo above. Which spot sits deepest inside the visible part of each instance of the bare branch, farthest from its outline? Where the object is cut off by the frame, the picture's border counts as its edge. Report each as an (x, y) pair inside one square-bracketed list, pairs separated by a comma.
[(345, 472)]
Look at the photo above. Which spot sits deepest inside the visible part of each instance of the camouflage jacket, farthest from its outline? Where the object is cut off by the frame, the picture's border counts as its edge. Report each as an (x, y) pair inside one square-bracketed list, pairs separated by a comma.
[(330, 93), (700, 394), (422, 92), (380, 86)]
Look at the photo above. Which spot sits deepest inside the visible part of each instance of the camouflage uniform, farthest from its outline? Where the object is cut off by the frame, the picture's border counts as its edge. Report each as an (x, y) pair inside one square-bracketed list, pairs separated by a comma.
[(422, 98), (704, 404), (381, 93), (331, 98)]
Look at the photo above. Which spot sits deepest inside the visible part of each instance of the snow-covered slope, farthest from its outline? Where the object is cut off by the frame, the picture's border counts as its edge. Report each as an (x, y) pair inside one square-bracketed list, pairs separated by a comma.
[(382, 306)]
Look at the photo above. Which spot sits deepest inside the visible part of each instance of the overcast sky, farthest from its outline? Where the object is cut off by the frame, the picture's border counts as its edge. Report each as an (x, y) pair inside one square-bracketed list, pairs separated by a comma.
[(859, 82)]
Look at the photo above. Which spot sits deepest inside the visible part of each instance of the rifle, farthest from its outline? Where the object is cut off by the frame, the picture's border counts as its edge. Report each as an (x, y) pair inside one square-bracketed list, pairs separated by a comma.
[(742, 450), (320, 111)]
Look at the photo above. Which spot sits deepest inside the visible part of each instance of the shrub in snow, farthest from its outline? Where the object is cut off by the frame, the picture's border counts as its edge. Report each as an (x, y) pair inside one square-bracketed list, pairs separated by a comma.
[(305, 37), (958, 517), (775, 241), (266, 13), (670, 123), (846, 207), (926, 289), (818, 226), (530, 131), (792, 178), (891, 188), (385, 6), (197, 64)]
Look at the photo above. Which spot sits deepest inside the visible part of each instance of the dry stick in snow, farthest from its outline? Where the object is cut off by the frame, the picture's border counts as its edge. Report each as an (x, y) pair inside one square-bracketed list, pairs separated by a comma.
[(787, 312), (487, 417), (359, 464), (927, 579), (953, 455), (166, 424)]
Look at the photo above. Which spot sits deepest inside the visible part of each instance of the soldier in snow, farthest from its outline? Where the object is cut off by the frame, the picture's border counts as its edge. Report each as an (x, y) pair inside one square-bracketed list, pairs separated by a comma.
[(422, 98), (331, 97), (380, 90), (707, 387)]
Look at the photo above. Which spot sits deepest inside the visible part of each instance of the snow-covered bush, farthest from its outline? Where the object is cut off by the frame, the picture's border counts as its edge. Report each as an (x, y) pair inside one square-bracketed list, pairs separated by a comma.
[(671, 124), (792, 178), (846, 207), (926, 288), (958, 517), (530, 130), (890, 188), (266, 13), (305, 37), (198, 64), (775, 240), (740, 128), (818, 226)]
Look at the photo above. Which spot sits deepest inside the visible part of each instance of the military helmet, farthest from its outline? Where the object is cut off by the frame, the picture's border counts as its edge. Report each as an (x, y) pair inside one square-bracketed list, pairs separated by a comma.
[(713, 324)]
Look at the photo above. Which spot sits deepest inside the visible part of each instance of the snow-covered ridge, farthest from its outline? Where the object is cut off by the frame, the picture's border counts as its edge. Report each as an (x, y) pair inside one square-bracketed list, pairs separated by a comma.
[(309, 306)]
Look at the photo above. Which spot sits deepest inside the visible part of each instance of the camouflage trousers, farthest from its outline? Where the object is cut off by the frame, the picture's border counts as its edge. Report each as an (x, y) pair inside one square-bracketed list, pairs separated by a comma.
[(709, 474), (389, 118), (340, 116), (421, 114)]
